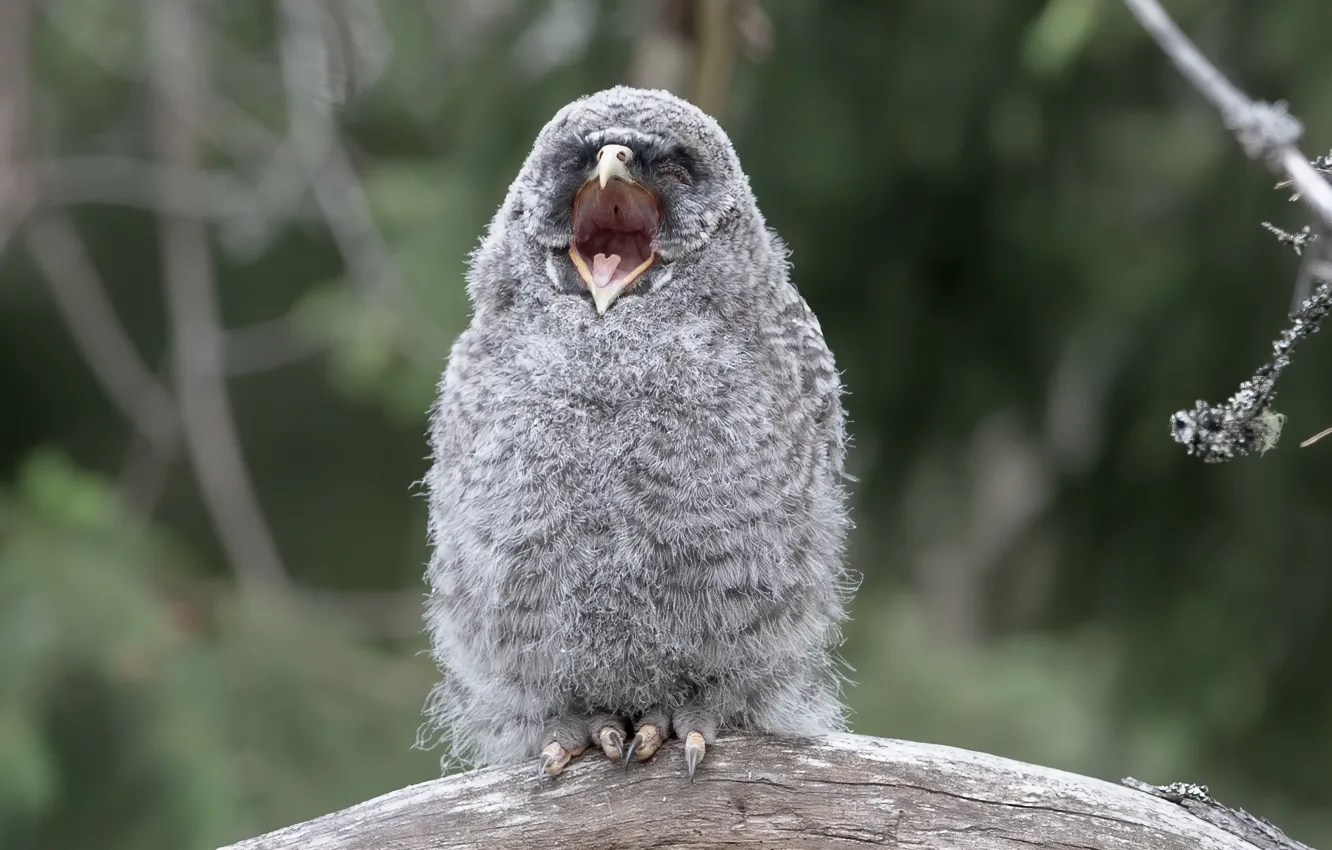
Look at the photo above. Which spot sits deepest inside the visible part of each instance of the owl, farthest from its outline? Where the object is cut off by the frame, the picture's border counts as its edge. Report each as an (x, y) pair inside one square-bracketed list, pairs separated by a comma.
[(637, 503)]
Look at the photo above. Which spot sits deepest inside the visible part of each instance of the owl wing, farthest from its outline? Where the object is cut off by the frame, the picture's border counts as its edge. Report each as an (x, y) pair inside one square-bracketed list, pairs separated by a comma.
[(799, 337)]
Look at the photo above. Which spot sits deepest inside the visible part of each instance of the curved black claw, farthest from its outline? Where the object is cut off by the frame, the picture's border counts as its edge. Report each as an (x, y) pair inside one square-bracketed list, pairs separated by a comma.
[(612, 742), (554, 758), (695, 748), (647, 740), (629, 750)]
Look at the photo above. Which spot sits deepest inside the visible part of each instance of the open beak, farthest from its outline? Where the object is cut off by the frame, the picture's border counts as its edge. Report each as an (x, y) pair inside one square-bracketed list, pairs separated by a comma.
[(614, 223)]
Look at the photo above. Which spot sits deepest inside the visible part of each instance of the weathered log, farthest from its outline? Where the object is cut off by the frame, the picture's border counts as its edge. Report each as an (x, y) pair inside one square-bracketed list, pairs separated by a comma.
[(837, 791)]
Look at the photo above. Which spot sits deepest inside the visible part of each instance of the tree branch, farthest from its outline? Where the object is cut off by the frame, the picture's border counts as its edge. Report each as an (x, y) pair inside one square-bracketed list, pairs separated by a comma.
[(130, 182), (197, 336), (320, 155), (839, 791), (1196, 800), (1246, 423), (59, 253), (1265, 130), (267, 345)]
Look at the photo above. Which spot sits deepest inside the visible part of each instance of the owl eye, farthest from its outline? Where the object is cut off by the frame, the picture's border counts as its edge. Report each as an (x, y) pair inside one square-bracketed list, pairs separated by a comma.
[(674, 170)]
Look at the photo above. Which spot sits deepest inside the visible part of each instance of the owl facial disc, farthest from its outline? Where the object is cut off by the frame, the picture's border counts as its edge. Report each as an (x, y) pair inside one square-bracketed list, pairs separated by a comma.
[(614, 222)]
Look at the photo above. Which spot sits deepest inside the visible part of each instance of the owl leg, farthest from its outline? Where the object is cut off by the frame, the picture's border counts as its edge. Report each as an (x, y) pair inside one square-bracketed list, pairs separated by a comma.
[(651, 731), (696, 724), (565, 739)]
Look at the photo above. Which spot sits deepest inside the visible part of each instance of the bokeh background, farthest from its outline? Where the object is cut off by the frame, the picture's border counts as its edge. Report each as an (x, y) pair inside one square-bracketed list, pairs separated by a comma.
[(232, 236)]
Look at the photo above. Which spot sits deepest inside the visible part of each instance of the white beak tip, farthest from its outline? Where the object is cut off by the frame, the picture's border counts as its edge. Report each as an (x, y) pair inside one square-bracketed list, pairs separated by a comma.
[(612, 161)]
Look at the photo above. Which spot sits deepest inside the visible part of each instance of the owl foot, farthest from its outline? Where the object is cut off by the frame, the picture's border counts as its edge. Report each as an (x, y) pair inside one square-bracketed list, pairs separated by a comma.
[(697, 725), (650, 733), (553, 760), (565, 740), (608, 732)]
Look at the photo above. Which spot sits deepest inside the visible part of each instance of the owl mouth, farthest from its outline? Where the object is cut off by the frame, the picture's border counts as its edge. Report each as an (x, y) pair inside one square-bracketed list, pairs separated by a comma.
[(613, 228)]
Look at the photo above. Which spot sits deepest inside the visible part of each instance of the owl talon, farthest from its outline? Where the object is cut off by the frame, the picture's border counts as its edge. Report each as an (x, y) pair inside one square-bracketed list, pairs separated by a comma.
[(612, 742), (695, 749), (554, 758), (645, 743)]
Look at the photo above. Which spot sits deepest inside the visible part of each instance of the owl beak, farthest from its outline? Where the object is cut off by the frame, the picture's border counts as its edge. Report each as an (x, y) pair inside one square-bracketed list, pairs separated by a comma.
[(612, 163), (615, 223)]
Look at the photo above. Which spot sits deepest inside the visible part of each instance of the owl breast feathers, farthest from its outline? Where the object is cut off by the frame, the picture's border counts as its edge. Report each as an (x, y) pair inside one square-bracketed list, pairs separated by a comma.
[(637, 504)]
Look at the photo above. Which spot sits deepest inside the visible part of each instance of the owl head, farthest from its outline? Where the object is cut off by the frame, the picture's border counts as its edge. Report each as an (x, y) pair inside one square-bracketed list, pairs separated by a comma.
[(624, 181)]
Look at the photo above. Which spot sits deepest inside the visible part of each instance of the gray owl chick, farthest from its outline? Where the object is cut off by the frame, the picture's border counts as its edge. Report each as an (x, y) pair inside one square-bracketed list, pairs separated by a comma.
[(636, 501)]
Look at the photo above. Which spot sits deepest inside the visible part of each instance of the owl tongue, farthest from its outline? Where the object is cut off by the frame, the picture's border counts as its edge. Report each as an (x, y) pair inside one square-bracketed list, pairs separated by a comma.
[(604, 268)]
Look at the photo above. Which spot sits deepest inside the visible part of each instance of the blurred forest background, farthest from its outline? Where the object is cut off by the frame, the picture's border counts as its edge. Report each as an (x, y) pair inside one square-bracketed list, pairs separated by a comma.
[(232, 234)]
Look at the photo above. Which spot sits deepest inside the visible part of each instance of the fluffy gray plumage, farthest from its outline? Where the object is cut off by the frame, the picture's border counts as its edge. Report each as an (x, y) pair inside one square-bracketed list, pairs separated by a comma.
[(641, 510)]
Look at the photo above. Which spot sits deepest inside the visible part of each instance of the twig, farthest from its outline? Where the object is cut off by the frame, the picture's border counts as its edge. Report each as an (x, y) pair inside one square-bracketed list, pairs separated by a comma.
[(308, 163), (146, 465), (197, 337), (364, 47), (249, 209), (1265, 130), (1298, 241), (337, 189), (60, 255), (67, 181), (267, 345), (1246, 422), (1315, 438), (1197, 801), (80, 295), (144, 472), (1316, 239), (288, 173)]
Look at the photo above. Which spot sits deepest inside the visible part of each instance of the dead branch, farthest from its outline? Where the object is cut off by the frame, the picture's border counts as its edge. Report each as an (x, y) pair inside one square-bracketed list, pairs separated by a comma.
[(267, 345), (1266, 131), (324, 160), (839, 791), (1246, 423), (197, 338), (59, 253), (1196, 800)]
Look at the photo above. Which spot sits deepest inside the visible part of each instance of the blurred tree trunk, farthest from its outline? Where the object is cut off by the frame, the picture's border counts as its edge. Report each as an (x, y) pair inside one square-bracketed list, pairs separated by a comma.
[(689, 48), (16, 187), (714, 62), (663, 58)]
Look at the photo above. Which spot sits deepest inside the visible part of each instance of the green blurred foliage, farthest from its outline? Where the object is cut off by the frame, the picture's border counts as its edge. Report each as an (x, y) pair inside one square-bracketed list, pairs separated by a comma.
[(140, 708), (1028, 243)]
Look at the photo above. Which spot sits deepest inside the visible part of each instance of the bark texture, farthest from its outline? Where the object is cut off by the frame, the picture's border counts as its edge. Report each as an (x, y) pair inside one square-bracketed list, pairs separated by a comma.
[(839, 791)]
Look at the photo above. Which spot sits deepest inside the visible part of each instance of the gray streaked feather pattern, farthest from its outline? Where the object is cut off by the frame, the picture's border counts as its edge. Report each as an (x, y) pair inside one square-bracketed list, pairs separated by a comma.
[(643, 508)]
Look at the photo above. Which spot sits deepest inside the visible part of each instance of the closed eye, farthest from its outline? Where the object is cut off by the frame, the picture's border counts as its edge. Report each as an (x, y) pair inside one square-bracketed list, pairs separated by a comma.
[(674, 169)]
